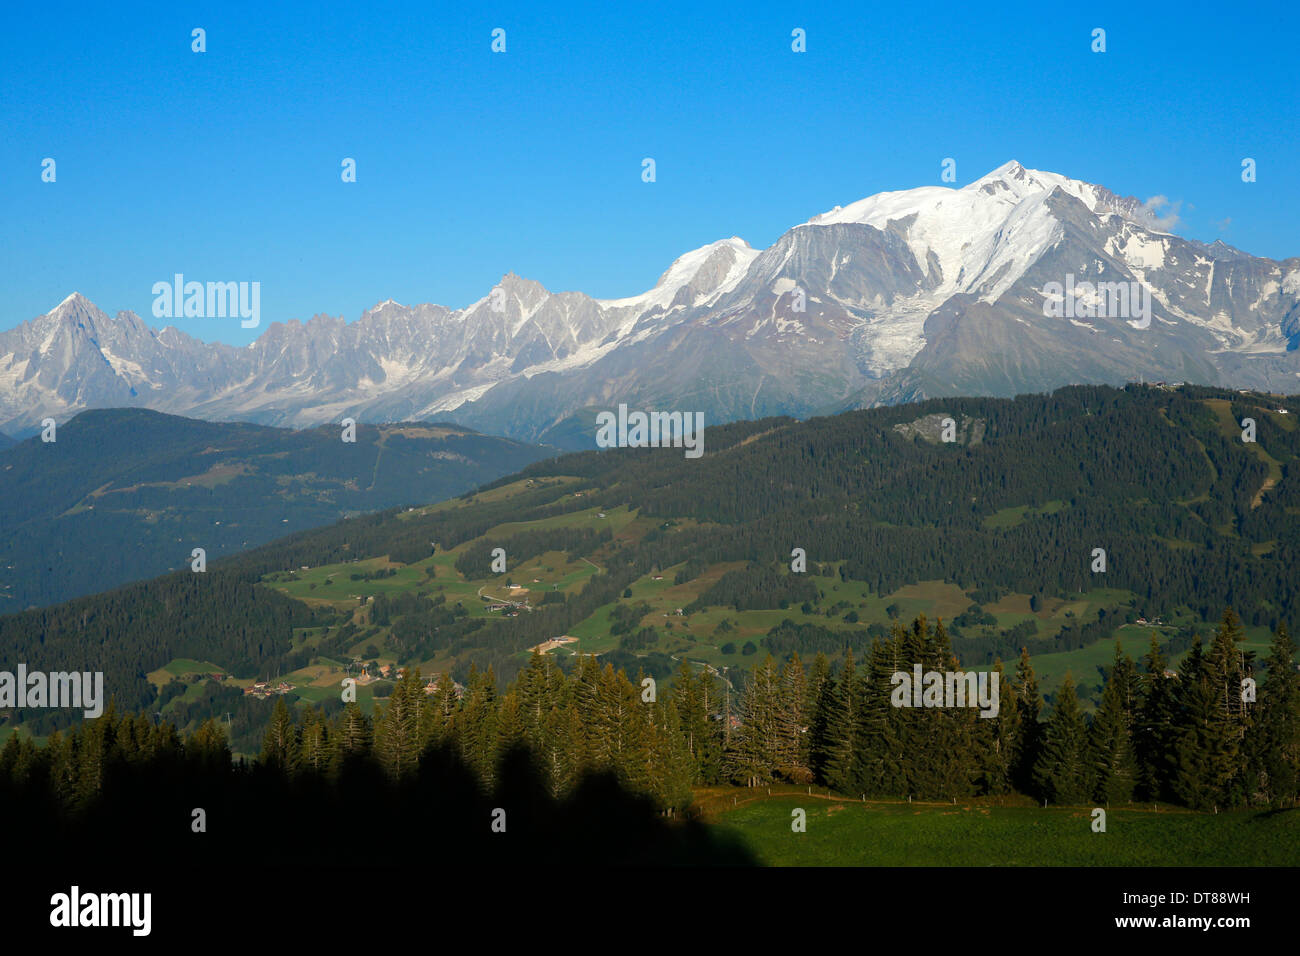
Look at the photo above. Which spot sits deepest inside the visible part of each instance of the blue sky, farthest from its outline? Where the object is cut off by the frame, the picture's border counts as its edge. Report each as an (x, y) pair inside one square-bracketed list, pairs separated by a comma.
[(225, 165)]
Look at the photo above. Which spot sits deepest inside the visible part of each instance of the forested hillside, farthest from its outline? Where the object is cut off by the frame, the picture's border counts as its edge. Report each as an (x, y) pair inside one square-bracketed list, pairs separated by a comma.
[(126, 494), (648, 559)]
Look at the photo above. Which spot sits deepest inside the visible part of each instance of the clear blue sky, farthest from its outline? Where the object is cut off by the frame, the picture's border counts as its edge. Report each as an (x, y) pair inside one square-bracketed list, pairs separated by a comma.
[(225, 165)]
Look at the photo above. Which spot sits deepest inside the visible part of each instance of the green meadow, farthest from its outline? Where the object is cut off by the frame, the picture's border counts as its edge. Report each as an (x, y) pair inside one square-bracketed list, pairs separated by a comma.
[(847, 832)]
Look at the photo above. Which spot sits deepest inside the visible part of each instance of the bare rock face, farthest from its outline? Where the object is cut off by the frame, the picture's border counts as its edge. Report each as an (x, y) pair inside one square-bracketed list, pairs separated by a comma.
[(964, 429)]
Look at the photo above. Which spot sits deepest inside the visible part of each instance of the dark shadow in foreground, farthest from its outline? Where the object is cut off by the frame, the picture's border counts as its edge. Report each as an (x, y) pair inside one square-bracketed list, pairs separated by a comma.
[(358, 816)]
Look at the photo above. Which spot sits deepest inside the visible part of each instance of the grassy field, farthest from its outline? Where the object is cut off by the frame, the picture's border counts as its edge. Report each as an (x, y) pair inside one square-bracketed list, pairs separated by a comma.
[(1010, 517), (851, 833), (700, 637), (181, 667), (500, 493)]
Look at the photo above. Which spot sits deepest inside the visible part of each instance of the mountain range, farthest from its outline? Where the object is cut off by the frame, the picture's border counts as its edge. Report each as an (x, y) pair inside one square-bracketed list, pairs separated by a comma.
[(926, 292), (123, 494)]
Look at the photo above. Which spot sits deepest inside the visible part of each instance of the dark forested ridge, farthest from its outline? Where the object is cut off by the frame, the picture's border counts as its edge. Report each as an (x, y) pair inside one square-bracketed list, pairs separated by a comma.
[(126, 494)]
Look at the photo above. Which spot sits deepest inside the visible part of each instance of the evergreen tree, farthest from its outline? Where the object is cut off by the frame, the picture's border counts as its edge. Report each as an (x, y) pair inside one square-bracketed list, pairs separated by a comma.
[(90, 745), (1153, 726), (1029, 705), (1111, 757), (631, 730), (354, 734), (60, 758), (1198, 732), (560, 747), (1004, 737), (280, 745), (821, 693), (397, 730), (512, 728), (443, 704), (881, 760), (792, 723), (757, 746), (535, 693), (954, 762), (1060, 775), (589, 700), (674, 767), (475, 730), (207, 747), (842, 730), (1277, 759), (1226, 667)]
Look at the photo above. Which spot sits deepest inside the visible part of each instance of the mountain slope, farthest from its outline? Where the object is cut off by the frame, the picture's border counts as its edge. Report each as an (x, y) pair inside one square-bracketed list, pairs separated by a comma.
[(647, 558), (126, 494), (896, 297)]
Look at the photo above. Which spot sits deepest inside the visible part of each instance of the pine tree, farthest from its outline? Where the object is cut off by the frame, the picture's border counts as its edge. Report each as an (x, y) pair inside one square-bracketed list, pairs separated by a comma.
[(685, 698), (955, 763), (842, 730), (560, 746), (441, 712), (674, 768), (207, 747), (9, 756), (397, 731), (90, 747), (1153, 726), (792, 723), (475, 729), (30, 763), (1060, 775), (1226, 667), (60, 758), (1004, 737), (534, 689), (821, 694), (1278, 727), (881, 758), (354, 734), (164, 742), (588, 700), (698, 706), (280, 744), (630, 723), (757, 747), (1030, 706), (511, 725), (142, 731), (1197, 751), (1111, 757)]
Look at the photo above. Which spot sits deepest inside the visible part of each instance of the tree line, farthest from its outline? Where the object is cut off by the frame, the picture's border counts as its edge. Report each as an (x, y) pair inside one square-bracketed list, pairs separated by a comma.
[(1197, 736)]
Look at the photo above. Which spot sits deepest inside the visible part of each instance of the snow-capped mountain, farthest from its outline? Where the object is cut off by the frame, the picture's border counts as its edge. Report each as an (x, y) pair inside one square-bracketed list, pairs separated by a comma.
[(901, 295)]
